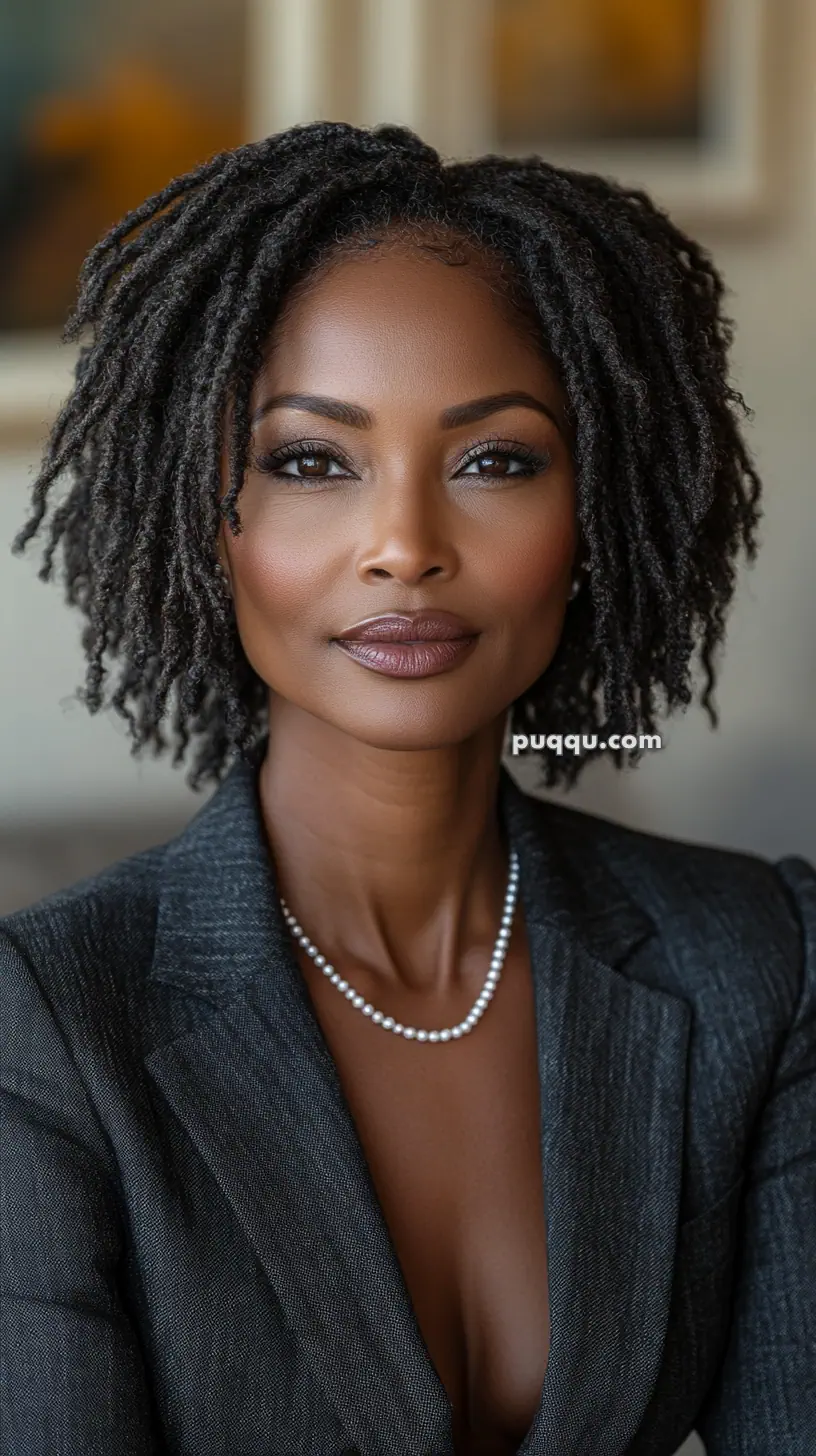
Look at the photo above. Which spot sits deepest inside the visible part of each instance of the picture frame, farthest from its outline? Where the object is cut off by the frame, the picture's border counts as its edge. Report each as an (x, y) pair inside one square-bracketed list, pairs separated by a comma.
[(35, 366), (443, 90), (417, 62)]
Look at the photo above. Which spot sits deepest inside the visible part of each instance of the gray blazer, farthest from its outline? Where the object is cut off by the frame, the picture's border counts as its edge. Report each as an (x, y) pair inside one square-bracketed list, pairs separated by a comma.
[(195, 1261)]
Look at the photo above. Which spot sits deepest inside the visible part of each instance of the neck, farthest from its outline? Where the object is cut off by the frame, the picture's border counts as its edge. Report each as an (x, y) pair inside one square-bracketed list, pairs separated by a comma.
[(390, 859)]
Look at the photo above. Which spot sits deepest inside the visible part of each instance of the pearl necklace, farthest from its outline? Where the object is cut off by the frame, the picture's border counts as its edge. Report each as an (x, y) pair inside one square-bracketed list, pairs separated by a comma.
[(411, 1033)]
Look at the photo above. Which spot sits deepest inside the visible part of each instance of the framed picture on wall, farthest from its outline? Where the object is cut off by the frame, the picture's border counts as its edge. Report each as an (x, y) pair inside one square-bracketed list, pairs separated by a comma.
[(107, 101), (668, 96), (102, 103)]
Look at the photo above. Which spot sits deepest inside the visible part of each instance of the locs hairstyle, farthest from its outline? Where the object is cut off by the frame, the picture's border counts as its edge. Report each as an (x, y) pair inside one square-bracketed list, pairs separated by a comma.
[(179, 299)]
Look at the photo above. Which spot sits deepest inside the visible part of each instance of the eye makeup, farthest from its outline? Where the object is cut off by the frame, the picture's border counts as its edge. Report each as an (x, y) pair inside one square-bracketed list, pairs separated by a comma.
[(510, 452)]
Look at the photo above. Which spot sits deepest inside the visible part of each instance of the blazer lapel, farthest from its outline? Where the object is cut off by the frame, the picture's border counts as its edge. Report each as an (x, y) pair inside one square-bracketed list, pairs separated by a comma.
[(256, 1088), (612, 1067)]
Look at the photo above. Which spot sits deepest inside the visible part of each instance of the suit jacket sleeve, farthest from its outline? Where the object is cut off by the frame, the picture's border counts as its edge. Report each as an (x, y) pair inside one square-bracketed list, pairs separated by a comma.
[(73, 1378), (764, 1400)]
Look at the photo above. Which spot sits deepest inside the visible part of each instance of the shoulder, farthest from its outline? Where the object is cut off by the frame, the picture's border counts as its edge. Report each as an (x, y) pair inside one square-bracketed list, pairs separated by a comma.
[(103, 924), (676, 877), (675, 872), (78, 1015), (729, 923)]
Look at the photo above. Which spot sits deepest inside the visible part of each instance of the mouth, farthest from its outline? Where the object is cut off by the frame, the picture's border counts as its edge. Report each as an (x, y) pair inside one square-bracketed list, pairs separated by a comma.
[(409, 644), (411, 658)]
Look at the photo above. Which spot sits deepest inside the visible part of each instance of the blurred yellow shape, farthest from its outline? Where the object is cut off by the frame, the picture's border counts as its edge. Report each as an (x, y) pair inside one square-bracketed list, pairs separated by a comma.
[(594, 60), (137, 131), (104, 151)]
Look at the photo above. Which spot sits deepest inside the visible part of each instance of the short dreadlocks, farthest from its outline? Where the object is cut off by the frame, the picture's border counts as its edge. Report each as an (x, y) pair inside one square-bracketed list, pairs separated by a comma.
[(180, 298)]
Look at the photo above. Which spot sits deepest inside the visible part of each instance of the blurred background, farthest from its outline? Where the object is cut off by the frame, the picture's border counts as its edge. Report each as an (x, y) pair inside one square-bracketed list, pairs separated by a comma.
[(711, 104)]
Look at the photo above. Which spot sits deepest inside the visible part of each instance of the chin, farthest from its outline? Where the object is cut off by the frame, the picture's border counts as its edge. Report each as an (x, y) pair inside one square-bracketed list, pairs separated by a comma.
[(403, 736)]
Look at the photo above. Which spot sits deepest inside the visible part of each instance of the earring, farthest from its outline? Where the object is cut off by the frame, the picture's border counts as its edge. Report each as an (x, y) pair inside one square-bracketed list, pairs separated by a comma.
[(577, 581)]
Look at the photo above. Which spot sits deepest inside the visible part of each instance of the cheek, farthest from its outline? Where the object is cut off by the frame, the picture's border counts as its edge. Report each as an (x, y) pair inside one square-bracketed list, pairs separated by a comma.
[(279, 574), (536, 561), (529, 587), (279, 581)]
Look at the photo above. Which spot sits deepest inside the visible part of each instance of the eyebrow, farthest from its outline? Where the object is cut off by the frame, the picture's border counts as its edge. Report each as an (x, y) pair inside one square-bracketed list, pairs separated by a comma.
[(362, 419)]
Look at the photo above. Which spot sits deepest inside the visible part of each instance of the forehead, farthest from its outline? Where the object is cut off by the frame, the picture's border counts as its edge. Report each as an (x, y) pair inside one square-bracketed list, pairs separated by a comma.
[(412, 265), (405, 307)]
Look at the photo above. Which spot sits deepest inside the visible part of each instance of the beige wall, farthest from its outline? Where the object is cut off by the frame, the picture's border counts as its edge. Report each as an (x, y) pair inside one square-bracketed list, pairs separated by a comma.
[(753, 783)]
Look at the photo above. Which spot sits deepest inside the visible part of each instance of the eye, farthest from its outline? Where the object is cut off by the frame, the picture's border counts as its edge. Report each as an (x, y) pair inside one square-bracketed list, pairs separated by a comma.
[(311, 461), (494, 460)]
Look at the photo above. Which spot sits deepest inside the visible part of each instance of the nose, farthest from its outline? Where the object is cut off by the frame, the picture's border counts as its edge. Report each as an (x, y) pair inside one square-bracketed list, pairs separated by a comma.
[(408, 535)]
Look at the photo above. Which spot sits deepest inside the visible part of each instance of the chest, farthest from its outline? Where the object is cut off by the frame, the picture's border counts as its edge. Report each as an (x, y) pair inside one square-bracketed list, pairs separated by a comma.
[(452, 1138)]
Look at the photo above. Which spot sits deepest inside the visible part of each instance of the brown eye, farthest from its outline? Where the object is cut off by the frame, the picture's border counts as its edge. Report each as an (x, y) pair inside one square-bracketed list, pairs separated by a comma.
[(312, 464), (505, 463), (496, 465), (302, 462)]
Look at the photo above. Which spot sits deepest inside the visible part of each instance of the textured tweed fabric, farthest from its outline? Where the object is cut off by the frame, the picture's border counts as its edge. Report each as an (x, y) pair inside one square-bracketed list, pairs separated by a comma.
[(194, 1260)]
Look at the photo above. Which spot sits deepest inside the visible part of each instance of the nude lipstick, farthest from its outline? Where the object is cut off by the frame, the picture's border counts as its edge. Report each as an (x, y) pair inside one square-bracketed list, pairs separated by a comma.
[(409, 644)]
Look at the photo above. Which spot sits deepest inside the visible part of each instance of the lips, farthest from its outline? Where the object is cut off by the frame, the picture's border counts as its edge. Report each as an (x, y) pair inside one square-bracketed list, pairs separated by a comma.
[(409, 644), (429, 626)]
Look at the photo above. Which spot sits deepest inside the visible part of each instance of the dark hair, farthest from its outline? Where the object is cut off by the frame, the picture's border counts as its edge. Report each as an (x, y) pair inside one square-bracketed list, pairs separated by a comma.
[(181, 296)]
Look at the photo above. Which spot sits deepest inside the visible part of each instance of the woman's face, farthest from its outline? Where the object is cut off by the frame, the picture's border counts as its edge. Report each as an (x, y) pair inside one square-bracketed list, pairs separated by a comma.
[(395, 509)]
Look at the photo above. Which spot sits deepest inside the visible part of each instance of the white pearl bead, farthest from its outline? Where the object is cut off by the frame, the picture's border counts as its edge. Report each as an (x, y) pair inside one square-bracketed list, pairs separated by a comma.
[(411, 1033)]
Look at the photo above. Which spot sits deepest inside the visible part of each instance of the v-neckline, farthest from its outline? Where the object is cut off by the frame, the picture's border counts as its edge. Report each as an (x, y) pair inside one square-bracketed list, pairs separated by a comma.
[(378, 1075), (258, 1093)]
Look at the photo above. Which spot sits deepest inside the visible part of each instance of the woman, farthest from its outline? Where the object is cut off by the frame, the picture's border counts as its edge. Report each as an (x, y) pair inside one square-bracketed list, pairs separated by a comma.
[(491, 476)]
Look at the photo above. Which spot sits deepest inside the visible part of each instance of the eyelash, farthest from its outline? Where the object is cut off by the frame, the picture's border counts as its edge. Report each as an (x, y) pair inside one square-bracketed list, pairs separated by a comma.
[(535, 463)]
